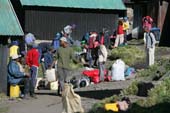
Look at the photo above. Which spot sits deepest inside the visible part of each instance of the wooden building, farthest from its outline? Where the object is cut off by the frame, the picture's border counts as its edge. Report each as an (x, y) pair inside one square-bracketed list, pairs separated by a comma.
[(45, 18), (158, 9), (9, 28)]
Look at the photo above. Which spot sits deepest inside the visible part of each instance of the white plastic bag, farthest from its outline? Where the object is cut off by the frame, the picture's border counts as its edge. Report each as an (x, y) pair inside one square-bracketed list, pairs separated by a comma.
[(50, 75), (118, 69)]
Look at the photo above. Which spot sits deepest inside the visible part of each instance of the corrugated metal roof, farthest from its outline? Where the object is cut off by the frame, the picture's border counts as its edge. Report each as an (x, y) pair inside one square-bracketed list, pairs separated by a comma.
[(85, 4), (9, 24)]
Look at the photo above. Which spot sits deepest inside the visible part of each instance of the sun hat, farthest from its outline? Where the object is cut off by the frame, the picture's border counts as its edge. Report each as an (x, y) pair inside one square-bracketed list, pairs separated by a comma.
[(15, 56)]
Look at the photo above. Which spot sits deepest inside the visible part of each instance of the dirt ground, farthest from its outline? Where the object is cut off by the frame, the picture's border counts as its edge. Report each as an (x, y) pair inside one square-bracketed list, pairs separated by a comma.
[(48, 102)]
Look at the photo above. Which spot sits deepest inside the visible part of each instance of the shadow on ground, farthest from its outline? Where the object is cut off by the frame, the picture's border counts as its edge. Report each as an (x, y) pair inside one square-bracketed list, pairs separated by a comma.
[(98, 94), (46, 92)]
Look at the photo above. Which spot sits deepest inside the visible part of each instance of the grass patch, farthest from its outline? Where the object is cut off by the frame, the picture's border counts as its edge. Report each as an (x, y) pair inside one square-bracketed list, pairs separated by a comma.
[(155, 72), (131, 90), (157, 96), (162, 51), (99, 107), (131, 55)]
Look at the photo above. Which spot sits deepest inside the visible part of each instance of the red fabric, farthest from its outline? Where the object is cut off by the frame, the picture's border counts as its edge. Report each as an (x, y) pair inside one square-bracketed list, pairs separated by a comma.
[(147, 22), (94, 75), (91, 41), (32, 57), (120, 30)]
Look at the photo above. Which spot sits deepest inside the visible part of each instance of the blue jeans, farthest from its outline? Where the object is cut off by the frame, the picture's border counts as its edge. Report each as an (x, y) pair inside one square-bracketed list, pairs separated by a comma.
[(25, 82), (33, 78), (89, 57)]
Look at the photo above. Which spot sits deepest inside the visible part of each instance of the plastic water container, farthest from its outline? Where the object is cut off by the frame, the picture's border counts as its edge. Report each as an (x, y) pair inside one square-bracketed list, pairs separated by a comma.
[(111, 107), (14, 91), (54, 85)]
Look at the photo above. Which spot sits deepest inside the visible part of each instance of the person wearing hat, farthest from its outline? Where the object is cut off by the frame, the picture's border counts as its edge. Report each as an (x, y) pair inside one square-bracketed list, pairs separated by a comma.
[(149, 42), (14, 49), (92, 50), (64, 56), (32, 60), (16, 76), (67, 31)]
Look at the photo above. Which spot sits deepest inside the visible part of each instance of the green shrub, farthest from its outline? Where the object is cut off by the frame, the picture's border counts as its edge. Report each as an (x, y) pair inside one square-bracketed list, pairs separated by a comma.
[(159, 94), (131, 55), (156, 71), (131, 90), (147, 72)]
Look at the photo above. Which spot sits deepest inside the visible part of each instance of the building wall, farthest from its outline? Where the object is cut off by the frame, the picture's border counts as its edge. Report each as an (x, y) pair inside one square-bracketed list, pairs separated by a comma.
[(46, 23), (3, 64), (163, 7), (165, 40)]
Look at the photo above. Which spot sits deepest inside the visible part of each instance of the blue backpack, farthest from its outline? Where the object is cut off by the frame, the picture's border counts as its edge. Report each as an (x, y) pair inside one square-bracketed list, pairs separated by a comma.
[(56, 41)]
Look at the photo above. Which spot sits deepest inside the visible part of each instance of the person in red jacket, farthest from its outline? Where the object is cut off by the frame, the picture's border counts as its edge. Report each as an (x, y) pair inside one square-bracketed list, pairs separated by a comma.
[(32, 60), (120, 34)]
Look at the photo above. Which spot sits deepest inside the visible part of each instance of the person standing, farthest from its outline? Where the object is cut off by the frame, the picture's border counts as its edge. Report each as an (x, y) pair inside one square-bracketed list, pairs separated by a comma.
[(92, 49), (102, 53), (149, 41), (64, 56), (67, 31), (29, 41), (32, 60), (120, 34), (126, 27)]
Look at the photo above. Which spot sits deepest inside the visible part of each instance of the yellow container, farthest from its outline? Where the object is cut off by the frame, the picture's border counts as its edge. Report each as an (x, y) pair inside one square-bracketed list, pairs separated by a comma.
[(14, 91), (112, 107)]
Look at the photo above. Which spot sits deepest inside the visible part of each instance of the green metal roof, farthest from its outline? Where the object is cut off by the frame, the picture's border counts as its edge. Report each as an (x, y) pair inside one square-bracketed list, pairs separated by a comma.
[(9, 24), (85, 4)]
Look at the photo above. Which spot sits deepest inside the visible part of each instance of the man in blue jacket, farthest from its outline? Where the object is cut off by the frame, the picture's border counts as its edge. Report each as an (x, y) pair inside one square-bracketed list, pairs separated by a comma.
[(16, 76)]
